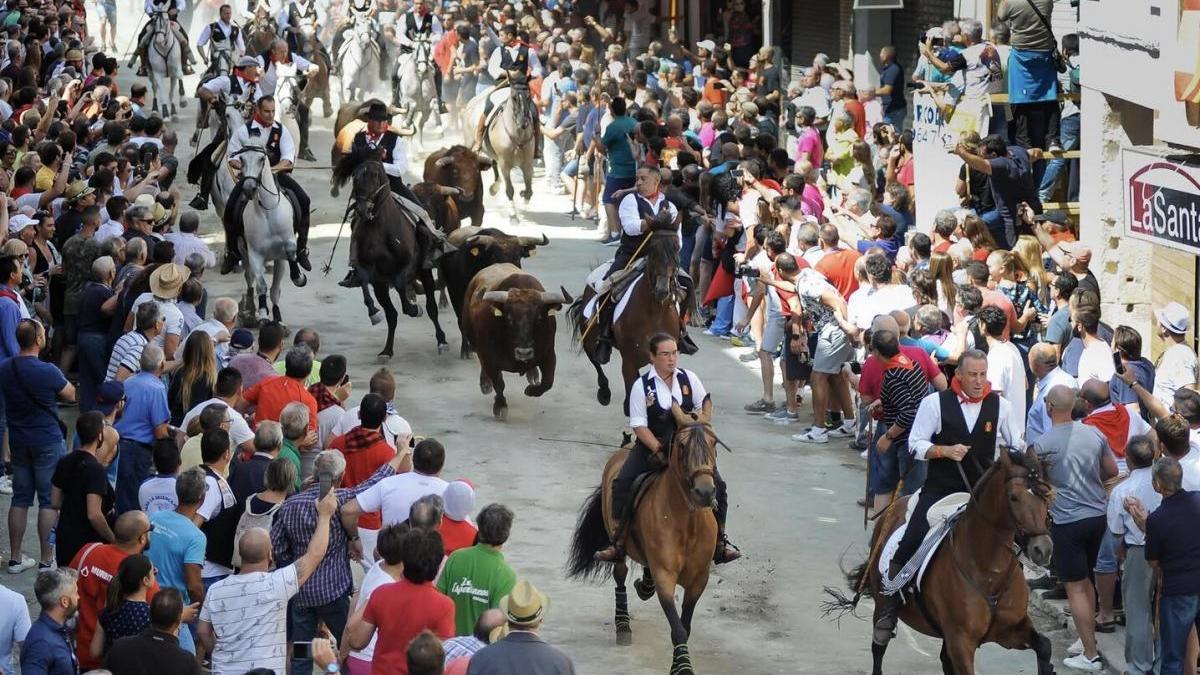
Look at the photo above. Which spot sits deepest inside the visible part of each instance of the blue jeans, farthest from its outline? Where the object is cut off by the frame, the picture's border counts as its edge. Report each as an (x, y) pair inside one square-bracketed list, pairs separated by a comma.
[(723, 323), (554, 162), (1176, 616), (685, 251), (896, 118), (302, 624), (93, 363), (995, 225), (1069, 137), (33, 467), (137, 464)]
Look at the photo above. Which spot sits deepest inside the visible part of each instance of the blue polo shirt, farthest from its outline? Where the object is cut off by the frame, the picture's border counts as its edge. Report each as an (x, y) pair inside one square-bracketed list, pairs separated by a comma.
[(30, 388), (621, 162), (47, 650), (1170, 542), (145, 408)]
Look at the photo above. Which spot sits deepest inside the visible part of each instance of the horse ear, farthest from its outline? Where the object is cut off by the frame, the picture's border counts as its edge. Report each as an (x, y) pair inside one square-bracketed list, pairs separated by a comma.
[(706, 410), (681, 417)]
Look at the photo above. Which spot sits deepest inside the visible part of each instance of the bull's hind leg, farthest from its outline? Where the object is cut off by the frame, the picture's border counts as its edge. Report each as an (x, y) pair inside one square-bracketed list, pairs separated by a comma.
[(621, 618)]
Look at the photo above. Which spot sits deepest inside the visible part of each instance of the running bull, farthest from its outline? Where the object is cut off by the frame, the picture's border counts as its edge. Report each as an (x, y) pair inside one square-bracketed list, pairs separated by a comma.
[(461, 167)]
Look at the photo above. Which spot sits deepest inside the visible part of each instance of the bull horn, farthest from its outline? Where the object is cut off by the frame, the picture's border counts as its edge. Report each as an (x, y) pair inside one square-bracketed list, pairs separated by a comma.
[(533, 241), (498, 297), (447, 190), (567, 299), (549, 298), (444, 161)]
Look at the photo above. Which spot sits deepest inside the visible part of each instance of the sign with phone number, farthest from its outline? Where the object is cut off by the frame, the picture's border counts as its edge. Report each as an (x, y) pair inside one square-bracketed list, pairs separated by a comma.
[(936, 169)]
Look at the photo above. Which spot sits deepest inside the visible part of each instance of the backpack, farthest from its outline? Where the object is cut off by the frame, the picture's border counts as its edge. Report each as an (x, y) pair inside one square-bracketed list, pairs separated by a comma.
[(249, 521)]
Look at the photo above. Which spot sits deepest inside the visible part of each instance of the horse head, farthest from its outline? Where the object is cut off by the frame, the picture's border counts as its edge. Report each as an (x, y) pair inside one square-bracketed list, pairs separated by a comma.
[(694, 452), (1028, 495), (370, 181), (253, 157), (662, 261)]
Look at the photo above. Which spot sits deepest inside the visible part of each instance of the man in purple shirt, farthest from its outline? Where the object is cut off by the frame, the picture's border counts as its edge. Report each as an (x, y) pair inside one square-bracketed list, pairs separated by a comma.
[(258, 366)]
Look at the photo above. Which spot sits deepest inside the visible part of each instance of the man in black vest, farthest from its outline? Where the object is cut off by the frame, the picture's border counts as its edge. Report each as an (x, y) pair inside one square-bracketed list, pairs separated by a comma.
[(364, 12), (220, 511), (421, 24), (653, 424), (281, 153), (224, 38), (171, 8), (513, 61), (238, 89), (957, 431), (642, 211)]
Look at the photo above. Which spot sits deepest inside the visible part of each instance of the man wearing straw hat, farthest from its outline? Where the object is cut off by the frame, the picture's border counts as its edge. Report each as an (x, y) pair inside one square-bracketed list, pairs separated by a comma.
[(515, 647), (165, 283)]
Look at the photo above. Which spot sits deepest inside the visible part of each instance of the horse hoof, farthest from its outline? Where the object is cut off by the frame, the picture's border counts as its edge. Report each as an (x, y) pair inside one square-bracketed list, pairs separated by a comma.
[(300, 280), (527, 195), (644, 591), (414, 313), (333, 192), (376, 318), (443, 347), (500, 413), (604, 396), (624, 637), (183, 103), (384, 356)]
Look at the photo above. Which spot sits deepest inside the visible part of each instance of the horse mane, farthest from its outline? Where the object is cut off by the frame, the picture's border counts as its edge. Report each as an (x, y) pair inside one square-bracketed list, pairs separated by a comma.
[(694, 449), (344, 170)]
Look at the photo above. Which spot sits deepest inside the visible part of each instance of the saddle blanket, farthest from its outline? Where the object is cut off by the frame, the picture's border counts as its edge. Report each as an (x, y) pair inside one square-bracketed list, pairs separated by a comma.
[(590, 308), (944, 510)]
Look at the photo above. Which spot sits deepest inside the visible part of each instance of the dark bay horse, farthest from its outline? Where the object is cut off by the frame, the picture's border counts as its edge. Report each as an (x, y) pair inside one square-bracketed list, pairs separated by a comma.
[(652, 308), (673, 532), (390, 249), (974, 591)]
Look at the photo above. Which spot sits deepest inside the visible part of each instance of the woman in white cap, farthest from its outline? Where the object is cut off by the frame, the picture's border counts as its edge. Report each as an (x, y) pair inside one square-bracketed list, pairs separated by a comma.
[(456, 529), (1177, 365)]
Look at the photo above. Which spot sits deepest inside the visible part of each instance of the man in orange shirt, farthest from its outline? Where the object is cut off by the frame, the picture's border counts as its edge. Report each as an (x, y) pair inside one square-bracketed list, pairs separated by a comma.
[(272, 394), (97, 564), (365, 450), (837, 264)]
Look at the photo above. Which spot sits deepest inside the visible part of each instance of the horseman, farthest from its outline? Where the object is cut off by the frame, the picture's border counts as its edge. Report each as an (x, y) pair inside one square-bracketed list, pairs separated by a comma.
[(294, 17), (421, 24), (238, 89), (641, 211), (281, 154), (958, 431), (513, 61), (281, 53), (364, 12), (653, 423), (224, 38), (171, 8), (392, 151)]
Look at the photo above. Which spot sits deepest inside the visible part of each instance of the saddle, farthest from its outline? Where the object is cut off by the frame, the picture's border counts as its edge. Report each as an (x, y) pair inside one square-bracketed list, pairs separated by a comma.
[(941, 518)]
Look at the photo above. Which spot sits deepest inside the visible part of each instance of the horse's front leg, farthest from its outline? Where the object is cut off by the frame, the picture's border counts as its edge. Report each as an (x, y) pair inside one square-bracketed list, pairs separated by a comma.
[(960, 648), (621, 617), (691, 596), (372, 311), (383, 293), (681, 660)]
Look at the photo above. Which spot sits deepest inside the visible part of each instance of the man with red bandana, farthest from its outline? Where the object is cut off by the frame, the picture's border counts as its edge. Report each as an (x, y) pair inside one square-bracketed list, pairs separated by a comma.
[(281, 52), (420, 24), (957, 431), (238, 89)]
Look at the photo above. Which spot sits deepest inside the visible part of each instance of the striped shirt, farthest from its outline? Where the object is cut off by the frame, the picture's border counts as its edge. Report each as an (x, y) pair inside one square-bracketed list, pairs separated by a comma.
[(901, 395), (248, 613), (126, 352)]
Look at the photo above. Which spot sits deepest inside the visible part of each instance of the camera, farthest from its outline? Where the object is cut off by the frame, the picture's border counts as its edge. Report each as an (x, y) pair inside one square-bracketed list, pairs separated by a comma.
[(736, 173), (746, 271)]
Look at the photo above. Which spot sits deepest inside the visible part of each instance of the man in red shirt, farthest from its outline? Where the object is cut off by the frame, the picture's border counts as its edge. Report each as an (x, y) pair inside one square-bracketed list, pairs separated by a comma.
[(424, 607), (272, 394), (838, 263), (97, 564), (365, 450)]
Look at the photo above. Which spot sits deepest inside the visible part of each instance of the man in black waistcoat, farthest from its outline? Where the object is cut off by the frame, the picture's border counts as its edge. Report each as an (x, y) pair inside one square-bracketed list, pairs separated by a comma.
[(218, 518), (653, 424), (960, 428)]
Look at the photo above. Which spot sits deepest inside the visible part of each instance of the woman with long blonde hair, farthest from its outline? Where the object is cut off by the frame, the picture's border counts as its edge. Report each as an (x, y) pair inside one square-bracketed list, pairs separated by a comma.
[(194, 381), (1007, 275), (1029, 252), (941, 270)]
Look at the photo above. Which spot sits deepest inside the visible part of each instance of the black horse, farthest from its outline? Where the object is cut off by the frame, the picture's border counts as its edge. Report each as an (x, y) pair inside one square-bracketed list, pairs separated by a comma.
[(391, 249)]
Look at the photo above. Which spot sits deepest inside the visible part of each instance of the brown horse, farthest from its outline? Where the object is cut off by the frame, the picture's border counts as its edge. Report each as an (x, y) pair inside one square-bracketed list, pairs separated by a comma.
[(974, 591), (318, 83), (672, 534), (653, 308)]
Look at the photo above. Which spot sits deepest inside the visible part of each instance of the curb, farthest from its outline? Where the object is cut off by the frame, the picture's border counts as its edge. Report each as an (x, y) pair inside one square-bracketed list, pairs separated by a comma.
[(1111, 646)]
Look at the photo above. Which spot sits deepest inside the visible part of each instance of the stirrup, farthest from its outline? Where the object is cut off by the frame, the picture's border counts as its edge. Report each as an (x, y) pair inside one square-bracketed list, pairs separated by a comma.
[(723, 553)]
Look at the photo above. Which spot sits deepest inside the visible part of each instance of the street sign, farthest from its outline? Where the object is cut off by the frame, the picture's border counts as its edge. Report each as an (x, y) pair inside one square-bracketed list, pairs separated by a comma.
[(1162, 197)]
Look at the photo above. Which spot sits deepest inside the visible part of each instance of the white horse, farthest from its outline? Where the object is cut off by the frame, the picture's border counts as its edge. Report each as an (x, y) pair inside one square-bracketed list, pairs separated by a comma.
[(417, 91), (288, 99), (358, 63), (224, 181), (166, 66), (269, 235)]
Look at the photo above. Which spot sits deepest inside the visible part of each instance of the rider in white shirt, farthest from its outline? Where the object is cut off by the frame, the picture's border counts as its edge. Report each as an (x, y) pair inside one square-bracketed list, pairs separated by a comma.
[(171, 8), (238, 89), (364, 12), (419, 24), (222, 35), (513, 58), (279, 53)]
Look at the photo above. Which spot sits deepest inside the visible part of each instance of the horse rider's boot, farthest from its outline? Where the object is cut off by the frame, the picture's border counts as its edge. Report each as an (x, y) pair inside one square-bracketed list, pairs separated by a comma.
[(479, 129), (200, 201), (889, 609), (604, 337), (614, 551), (231, 260), (302, 259), (687, 346), (353, 279), (725, 551), (140, 57), (441, 106)]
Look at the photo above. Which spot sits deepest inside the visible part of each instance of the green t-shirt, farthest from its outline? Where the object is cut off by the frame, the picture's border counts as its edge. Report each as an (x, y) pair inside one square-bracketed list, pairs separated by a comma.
[(290, 452), (475, 579), (621, 163)]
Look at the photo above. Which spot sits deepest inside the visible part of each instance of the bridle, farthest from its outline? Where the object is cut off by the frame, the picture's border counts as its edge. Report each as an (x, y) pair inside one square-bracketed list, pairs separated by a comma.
[(371, 198), (258, 183), (684, 447)]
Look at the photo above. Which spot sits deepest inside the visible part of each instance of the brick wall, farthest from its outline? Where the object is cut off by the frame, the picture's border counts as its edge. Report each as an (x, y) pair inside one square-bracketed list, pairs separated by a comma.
[(817, 26), (909, 26)]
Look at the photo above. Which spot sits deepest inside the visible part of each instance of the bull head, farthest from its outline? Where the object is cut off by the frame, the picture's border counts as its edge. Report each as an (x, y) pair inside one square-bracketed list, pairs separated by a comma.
[(444, 161), (530, 244), (477, 244), (496, 298)]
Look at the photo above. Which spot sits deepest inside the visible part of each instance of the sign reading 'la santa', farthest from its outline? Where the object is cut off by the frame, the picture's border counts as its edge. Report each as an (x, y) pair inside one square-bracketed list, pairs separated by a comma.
[(1162, 199)]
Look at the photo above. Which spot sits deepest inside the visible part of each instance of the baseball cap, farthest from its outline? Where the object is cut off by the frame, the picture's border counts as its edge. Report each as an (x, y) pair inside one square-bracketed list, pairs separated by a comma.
[(241, 339), (109, 395), (707, 44)]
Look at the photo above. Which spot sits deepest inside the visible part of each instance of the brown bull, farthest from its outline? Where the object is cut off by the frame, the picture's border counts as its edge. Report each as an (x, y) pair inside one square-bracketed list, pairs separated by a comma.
[(439, 202), (509, 320), (476, 249), (462, 168)]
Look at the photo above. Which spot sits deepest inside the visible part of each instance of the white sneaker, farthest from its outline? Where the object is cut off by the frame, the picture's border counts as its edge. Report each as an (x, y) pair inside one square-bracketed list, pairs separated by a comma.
[(847, 430), (1081, 662), (6, 485), (1076, 648), (813, 435), (26, 563), (863, 454)]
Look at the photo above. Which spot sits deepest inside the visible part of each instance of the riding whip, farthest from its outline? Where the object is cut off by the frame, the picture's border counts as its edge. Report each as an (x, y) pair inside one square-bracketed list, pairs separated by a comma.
[(134, 36), (329, 265), (571, 440)]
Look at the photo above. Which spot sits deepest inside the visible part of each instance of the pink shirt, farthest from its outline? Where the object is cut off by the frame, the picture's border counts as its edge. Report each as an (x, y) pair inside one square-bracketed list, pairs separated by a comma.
[(812, 203), (810, 142), (707, 134)]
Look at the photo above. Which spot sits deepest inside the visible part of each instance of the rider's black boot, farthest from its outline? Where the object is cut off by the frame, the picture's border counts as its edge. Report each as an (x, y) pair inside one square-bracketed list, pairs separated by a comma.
[(352, 279), (199, 202), (441, 106), (302, 258), (687, 345), (886, 612), (231, 261)]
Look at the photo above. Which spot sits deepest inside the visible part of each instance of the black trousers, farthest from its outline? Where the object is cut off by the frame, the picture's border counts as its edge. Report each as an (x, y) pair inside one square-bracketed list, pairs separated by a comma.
[(918, 526), (638, 463), (232, 219), (1036, 125)]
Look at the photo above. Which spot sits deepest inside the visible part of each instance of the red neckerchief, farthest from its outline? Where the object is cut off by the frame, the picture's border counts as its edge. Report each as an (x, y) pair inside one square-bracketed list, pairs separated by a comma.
[(1114, 424), (962, 396), (358, 439), (242, 74), (325, 398), (285, 59), (375, 138), (652, 198), (899, 361), (260, 122)]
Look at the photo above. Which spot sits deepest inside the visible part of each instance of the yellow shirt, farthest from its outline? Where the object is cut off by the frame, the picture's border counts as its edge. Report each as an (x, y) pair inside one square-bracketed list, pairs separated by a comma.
[(190, 456), (43, 180)]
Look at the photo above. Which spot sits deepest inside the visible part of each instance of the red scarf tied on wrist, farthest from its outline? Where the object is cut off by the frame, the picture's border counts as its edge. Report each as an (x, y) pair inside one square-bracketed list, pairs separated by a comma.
[(1114, 425), (963, 397), (325, 398), (359, 438)]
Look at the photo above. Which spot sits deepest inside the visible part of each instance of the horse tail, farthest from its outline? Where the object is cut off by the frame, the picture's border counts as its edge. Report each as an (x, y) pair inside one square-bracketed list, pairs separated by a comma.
[(590, 536), (575, 316)]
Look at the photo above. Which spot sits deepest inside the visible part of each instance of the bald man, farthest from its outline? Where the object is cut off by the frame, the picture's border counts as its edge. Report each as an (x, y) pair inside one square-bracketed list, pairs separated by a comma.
[(1114, 421), (97, 564), (1043, 363)]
